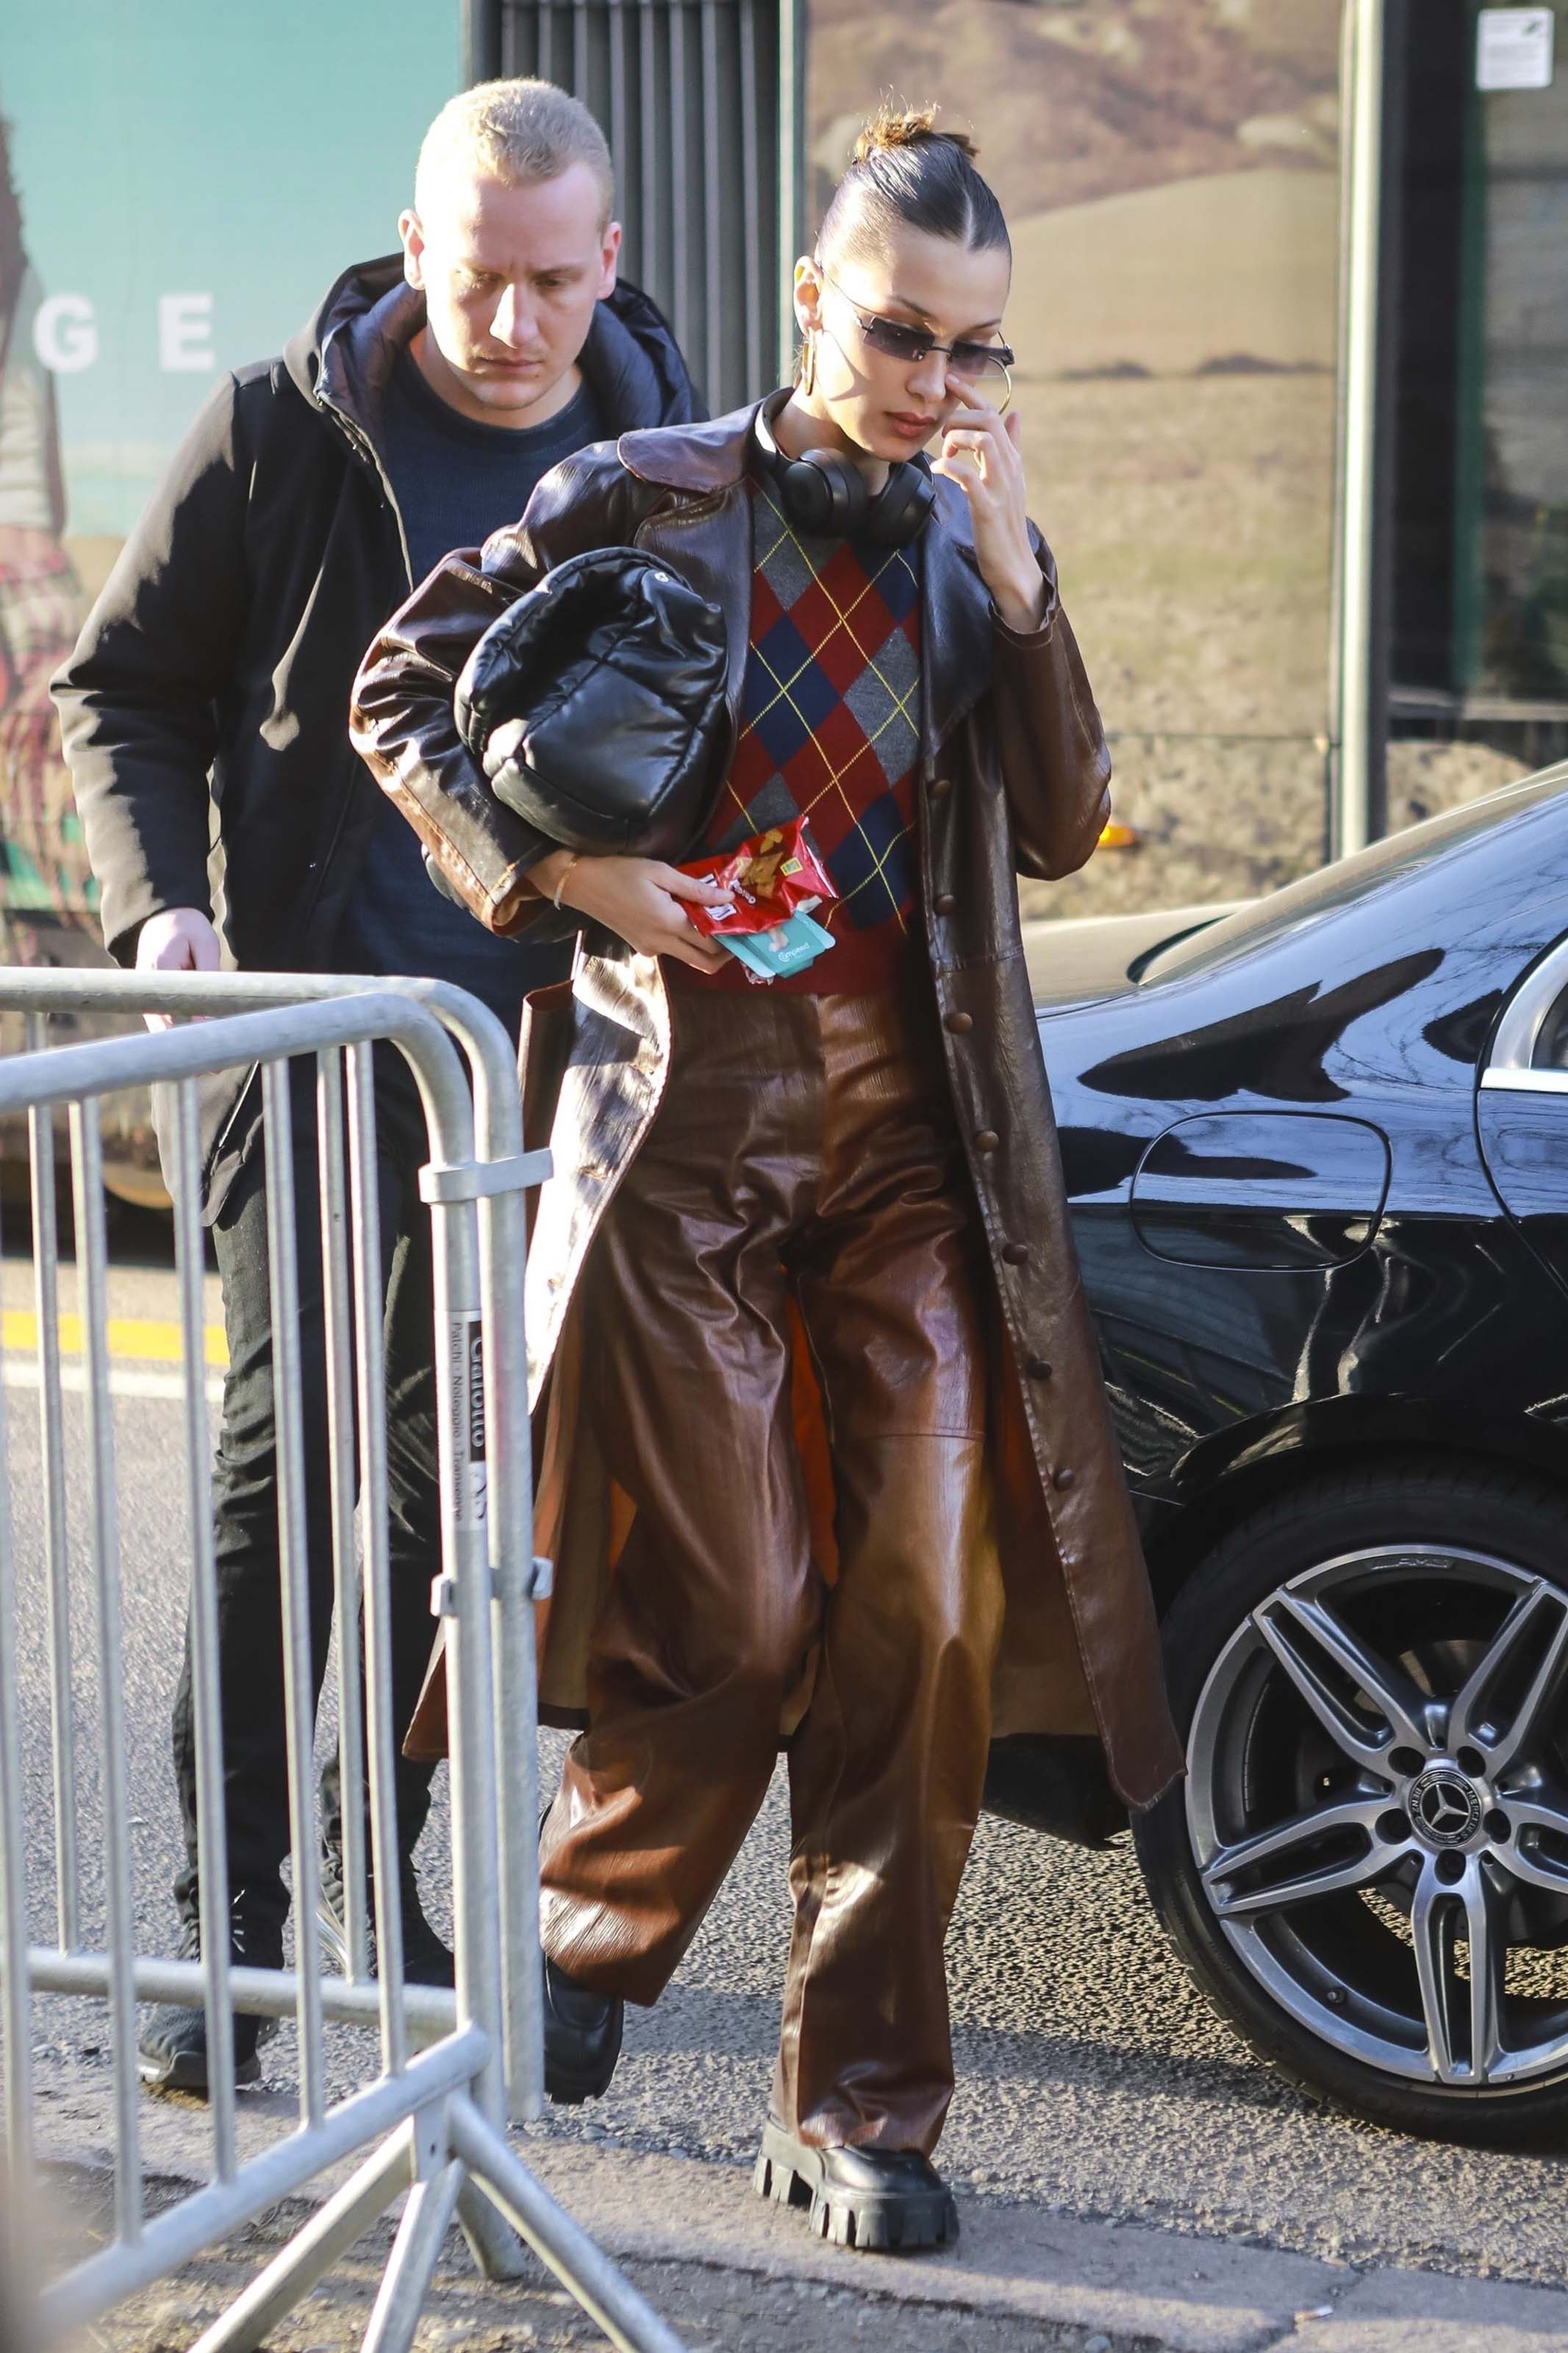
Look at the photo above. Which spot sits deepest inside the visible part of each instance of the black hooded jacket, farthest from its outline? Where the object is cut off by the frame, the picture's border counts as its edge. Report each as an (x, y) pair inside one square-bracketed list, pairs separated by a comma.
[(215, 668)]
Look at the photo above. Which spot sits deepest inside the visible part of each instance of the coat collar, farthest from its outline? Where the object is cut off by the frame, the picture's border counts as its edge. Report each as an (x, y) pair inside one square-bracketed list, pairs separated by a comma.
[(699, 458), (707, 460)]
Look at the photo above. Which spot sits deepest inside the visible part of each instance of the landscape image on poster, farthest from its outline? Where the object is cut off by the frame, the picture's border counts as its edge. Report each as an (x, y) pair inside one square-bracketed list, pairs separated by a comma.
[(1170, 170)]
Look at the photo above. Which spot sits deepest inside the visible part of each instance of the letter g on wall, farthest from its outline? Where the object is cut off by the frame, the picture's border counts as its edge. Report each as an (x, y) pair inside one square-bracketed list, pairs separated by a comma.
[(65, 333)]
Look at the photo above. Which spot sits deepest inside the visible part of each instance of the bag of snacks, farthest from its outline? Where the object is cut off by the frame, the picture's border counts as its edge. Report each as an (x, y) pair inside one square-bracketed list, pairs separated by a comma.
[(772, 876)]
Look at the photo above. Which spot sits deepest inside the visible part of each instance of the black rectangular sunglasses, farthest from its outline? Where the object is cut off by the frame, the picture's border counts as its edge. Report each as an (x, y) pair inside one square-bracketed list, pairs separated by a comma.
[(974, 362)]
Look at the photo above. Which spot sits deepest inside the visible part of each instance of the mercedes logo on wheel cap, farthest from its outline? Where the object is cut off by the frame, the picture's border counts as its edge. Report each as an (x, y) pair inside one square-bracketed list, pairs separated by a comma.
[(1444, 1807)]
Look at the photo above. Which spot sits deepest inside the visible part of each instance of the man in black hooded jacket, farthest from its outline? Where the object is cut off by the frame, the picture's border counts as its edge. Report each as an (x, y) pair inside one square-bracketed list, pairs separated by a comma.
[(412, 415)]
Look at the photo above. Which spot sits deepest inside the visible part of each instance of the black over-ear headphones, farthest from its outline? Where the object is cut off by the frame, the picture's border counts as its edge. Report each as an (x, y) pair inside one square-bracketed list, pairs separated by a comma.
[(823, 495)]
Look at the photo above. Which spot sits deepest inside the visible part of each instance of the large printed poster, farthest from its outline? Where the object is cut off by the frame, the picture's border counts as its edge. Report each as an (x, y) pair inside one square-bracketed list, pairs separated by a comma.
[(179, 187), (40, 594)]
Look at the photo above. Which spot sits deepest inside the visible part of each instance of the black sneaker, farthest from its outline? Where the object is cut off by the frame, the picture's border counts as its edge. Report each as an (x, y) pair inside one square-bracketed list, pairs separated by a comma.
[(581, 2038), (883, 2200), (171, 2050), (426, 1959)]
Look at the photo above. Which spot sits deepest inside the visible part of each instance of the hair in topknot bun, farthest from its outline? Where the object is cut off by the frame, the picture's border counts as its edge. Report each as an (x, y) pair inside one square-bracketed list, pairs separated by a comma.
[(906, 126), (903, 169)]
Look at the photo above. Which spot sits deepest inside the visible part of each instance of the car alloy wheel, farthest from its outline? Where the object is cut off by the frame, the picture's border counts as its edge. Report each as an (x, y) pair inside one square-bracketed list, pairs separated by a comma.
[(1446, 1803), (1368, 1865)]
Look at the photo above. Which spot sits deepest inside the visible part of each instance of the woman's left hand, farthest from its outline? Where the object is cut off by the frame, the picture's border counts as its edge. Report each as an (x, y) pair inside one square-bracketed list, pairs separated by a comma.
[(981, 453)]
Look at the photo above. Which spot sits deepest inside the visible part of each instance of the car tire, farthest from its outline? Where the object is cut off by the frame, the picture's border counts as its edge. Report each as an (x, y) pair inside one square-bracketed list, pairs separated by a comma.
[(1423, 1566)]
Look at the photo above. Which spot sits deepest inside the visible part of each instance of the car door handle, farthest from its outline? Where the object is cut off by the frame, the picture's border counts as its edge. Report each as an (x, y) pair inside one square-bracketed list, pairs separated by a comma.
[(1524, 1082)]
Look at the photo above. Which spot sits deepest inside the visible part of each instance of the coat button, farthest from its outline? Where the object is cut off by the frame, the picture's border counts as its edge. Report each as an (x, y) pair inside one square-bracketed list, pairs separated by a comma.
[(1039, 1368), (987, 1140), (1016, 1253), (1063, 1479), (961, 1024), (944, 903), (939, 787)]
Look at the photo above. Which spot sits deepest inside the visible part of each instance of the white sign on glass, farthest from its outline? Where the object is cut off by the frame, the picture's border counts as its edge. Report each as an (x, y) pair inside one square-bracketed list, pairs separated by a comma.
[(1513, 49)]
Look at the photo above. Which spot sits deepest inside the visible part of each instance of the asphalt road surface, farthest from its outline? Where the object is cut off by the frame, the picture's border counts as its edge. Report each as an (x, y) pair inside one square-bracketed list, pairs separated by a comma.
[(1092, 2078)]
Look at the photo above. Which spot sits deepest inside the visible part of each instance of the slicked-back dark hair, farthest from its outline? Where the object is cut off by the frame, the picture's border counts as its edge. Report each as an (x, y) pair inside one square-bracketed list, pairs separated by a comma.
[(904, 170)]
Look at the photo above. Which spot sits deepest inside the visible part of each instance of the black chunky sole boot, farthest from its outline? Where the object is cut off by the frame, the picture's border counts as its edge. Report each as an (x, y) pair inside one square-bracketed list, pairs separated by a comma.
[(881, 2201), (581, 2038)]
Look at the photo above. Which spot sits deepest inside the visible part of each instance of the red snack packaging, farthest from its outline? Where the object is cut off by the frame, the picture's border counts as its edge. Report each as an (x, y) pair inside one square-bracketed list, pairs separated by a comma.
[(775, 875)]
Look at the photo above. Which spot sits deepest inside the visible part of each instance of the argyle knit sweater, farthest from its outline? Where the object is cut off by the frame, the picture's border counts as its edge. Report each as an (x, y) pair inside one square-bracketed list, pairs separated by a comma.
[(830, 732)]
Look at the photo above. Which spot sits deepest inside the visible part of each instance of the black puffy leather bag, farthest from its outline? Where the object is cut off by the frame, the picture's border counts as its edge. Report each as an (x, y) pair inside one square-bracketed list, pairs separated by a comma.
[(595, 705)]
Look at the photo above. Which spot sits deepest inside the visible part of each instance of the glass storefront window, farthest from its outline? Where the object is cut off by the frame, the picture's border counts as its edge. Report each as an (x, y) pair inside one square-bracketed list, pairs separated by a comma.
[(1169, 171), (1479, 261), (1512, 518)]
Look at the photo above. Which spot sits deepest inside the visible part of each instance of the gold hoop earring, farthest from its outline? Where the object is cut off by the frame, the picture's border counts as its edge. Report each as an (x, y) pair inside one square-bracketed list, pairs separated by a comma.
[(808, 363)]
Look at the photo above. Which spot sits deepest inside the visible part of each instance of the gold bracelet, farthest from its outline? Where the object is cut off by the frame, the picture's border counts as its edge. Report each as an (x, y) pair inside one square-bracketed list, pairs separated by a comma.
[(576, 859)]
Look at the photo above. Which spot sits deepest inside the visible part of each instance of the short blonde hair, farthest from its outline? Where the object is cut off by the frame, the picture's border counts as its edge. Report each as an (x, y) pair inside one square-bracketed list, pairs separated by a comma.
[(514, 131)]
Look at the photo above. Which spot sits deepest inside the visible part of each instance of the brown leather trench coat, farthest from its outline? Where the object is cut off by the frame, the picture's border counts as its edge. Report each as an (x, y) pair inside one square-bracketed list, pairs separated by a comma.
[(1013, 777)]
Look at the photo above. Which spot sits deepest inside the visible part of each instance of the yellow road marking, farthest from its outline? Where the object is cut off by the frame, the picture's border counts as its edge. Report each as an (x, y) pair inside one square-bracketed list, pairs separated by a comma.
[(141, 1339)]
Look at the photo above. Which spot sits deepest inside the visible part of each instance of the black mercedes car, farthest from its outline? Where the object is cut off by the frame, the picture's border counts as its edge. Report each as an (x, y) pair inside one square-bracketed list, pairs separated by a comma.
[(1318, 1156)]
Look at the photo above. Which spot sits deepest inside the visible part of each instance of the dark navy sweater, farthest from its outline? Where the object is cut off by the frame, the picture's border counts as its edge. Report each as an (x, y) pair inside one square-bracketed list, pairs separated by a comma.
[(456, 482)]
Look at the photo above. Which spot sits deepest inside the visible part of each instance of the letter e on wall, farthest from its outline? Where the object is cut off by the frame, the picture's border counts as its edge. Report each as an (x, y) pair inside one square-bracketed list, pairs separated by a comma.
[(185, 335)]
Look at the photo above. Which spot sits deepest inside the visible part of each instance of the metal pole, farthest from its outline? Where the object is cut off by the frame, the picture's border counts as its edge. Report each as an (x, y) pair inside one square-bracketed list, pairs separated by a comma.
[(56, 1542), (754, 259), (580, 52), (339, 1346), (480, 39), (503, 1247), (792, 170), (92, 1276), (16, 2003), (631, 2324), (681, 310), (298, 1682), (649, 247), (212, 1823), (415, 2251), (332, 2230), (464, 1595), (713, 256), (619, 150), (370, 1367), (1356, 521)]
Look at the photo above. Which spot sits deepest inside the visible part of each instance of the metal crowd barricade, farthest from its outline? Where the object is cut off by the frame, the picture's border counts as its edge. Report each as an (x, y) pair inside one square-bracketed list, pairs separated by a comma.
[(452, 2068)]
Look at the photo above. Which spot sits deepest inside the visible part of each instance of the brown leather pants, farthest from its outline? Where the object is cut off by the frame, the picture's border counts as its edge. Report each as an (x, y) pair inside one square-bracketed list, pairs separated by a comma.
[(804, 1149)]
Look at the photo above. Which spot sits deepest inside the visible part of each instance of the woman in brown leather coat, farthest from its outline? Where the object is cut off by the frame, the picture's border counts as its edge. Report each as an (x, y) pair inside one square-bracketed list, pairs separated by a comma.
[(827, 1450)]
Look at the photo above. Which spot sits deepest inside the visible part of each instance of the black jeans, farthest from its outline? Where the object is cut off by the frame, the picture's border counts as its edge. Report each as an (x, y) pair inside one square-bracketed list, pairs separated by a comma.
[(249, 1608)]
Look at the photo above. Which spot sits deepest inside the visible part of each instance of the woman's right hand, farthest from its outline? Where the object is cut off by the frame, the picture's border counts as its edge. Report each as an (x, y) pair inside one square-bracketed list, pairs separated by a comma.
[(639, 899)]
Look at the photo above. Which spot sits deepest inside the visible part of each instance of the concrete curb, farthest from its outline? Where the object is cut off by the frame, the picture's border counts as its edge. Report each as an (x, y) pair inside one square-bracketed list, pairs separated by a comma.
[(1188, 2294)]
